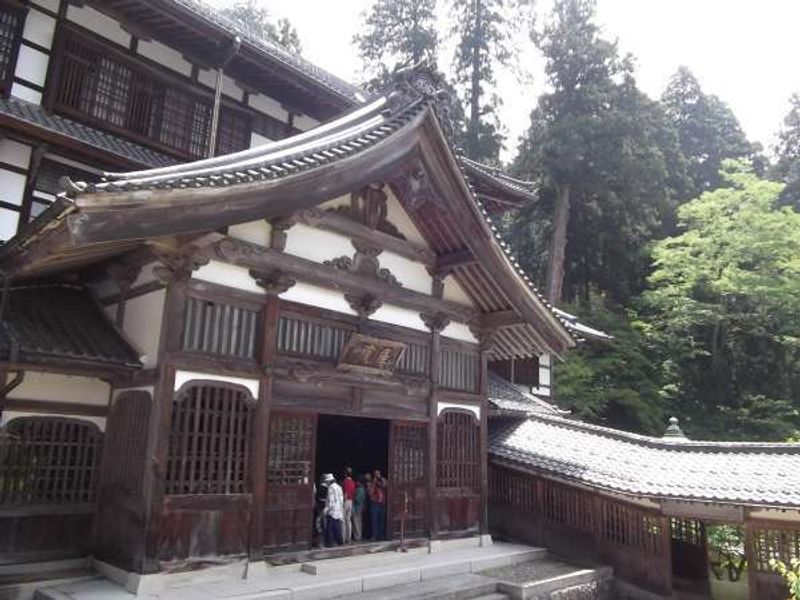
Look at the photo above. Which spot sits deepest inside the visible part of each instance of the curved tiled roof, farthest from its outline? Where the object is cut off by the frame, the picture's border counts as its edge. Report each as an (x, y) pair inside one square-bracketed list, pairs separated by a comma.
[(717, 472), (511, 399)]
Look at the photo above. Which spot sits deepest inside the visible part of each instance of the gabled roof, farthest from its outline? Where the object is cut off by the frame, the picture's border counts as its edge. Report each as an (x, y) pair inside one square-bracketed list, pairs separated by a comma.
[(509, 399), (396, 137), (758, 474), (59, 324)]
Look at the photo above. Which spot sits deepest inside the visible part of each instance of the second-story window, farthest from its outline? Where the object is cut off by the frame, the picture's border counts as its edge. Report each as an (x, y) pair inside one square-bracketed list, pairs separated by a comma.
[(116, 92), (11, 21)]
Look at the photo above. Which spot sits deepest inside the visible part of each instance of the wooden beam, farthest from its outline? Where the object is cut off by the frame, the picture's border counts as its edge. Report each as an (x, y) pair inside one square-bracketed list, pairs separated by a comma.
[(503, 318), (58, 408), (254, 256), (329, 221), (455, 259)]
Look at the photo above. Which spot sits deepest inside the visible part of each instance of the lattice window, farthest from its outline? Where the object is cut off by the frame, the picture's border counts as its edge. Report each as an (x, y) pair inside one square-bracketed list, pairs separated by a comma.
[(409, 454), (310, 338), (209, 440), (516, 490), (11, 21), (291, 448), (219, 328), (115, 91), (627, 525), (459, 370), (567, 506), (780, 544), (458, 451), (49, 460), (687, 530)]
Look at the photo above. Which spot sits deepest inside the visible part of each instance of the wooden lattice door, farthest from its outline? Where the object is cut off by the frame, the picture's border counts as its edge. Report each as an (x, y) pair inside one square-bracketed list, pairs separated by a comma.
[(458, 471), (289, 510), (408, 483)]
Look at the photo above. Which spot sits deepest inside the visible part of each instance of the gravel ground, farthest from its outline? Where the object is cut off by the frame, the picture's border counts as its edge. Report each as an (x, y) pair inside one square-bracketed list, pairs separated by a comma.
[(531, 571)]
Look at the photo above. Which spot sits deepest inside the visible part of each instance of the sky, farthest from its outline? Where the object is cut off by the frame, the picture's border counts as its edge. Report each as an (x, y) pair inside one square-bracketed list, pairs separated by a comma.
[(744, 51)]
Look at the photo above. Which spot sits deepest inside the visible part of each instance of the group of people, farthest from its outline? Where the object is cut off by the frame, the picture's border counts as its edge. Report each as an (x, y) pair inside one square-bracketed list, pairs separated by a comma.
[(352, 511)]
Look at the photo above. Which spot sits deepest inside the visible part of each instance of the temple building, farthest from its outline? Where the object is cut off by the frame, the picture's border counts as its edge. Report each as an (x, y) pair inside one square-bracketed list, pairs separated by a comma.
[(228, 272)]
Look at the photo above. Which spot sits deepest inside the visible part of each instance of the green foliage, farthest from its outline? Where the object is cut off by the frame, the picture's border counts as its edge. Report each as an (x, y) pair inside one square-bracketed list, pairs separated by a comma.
[(724, 310), (790, 574), (397, 33), (726, 549), (707, 129), (787, 150), (612, 383), (248, 15)]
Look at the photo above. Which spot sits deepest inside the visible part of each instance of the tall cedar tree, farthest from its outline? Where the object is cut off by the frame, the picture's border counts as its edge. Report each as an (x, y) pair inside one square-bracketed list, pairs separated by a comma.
[(396, 34), (787, 151), (483, 44), (607, 161), (257, 20), (708, 132)]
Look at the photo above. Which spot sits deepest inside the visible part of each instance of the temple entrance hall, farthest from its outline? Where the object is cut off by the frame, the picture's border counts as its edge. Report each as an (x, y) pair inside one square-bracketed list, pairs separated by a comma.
[(359, 443)]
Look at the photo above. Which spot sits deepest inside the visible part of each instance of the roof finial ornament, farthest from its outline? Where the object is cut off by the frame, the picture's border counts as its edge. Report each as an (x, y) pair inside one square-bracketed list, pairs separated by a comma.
[(674, 431), (422, 81)]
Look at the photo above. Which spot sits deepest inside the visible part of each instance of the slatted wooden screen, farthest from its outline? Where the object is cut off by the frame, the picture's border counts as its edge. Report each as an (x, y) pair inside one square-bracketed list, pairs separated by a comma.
[(690, 531), (291, 450), (769, 543), (513, 489), (459, 370), (11, 22), (628, 525), (209, 440), (567, 506), (220, 328), (458, 451), (311, 339), (102, 85), (407, 468), (415, 359), (49, 460)]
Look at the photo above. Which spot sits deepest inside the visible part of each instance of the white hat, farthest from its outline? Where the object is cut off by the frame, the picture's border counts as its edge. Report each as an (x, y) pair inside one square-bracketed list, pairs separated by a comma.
[(328, 477)]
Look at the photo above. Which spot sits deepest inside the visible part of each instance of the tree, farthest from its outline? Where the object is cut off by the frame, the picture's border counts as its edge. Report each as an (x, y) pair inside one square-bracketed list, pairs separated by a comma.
[(787, 150), (484, 32), (707, 129), (397, 33), (724, 311), (249, 16), (607, 161)]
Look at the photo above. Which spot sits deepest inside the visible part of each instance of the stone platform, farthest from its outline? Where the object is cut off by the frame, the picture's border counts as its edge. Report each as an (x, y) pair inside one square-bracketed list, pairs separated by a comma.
[(457, 570)]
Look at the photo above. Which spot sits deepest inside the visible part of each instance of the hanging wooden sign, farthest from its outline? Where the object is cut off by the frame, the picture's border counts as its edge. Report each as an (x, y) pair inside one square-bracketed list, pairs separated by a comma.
[(370, 355)]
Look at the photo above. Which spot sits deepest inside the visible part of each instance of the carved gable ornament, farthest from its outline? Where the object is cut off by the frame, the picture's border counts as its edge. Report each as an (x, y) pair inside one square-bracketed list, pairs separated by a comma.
[(366, 354), (368, 206)]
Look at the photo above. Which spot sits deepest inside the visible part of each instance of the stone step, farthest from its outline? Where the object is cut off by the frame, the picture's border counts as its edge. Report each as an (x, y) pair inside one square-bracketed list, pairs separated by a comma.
[(562, 581), (458, 587), (23, 586), (492, 596)]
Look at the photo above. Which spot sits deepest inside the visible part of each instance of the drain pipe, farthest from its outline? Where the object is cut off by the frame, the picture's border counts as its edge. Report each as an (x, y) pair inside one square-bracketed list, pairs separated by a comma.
[(231, 51)]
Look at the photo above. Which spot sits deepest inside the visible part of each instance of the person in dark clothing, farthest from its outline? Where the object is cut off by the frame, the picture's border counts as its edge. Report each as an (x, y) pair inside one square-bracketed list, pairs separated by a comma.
[(377, 497), (320, 496), (366, 534), (359, 504)]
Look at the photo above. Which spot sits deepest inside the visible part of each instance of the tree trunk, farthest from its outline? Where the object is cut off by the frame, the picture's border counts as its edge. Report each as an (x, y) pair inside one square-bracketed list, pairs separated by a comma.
[(475, 85), (558, 245)]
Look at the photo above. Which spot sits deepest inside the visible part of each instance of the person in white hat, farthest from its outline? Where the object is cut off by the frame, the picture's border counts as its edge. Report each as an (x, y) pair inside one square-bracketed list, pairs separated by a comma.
[(333, 511)]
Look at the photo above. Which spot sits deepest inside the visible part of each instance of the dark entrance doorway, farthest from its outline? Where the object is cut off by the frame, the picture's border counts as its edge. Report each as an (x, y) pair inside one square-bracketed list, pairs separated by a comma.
[(356, 442)]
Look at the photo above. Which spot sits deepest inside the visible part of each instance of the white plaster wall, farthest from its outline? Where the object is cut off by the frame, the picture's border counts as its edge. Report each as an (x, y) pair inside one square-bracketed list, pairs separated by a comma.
[(398, 217), (256, 232), (269, 106), (545, 376), (32, 65), (165, 56), (142, 324), (304, 122), (98, 23), (14, 153), (397, 315), (62, 388), (459, 331), (208, 77), (182, 377), (48, 4), (343, 200), (413, 275), (317, 245), (39, 28), (454, 292), (256, 139), (146, 275), (12, 186), (442, 406), (8, 223), (23, 92), (9, 415), (144, 388), (304, 293), (230, 275)]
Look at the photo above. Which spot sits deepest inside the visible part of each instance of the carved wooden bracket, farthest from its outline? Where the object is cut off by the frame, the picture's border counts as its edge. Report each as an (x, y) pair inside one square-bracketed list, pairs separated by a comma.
[(363, 304), (435, 322), (487, 338), (368, 207), (123, 275), (364, 263), (278, 236), (415, 189), (274, 282), (178, 265)]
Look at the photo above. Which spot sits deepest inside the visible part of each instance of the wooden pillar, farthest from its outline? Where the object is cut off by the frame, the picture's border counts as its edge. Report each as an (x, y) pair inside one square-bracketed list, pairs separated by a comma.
[(274, 283), (483, 388), (175, 273), (436, 323), (750, 557)]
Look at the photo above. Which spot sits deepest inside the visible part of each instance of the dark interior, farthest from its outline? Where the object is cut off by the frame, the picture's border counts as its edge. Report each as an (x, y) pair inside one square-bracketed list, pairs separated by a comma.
[(362, 444)]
